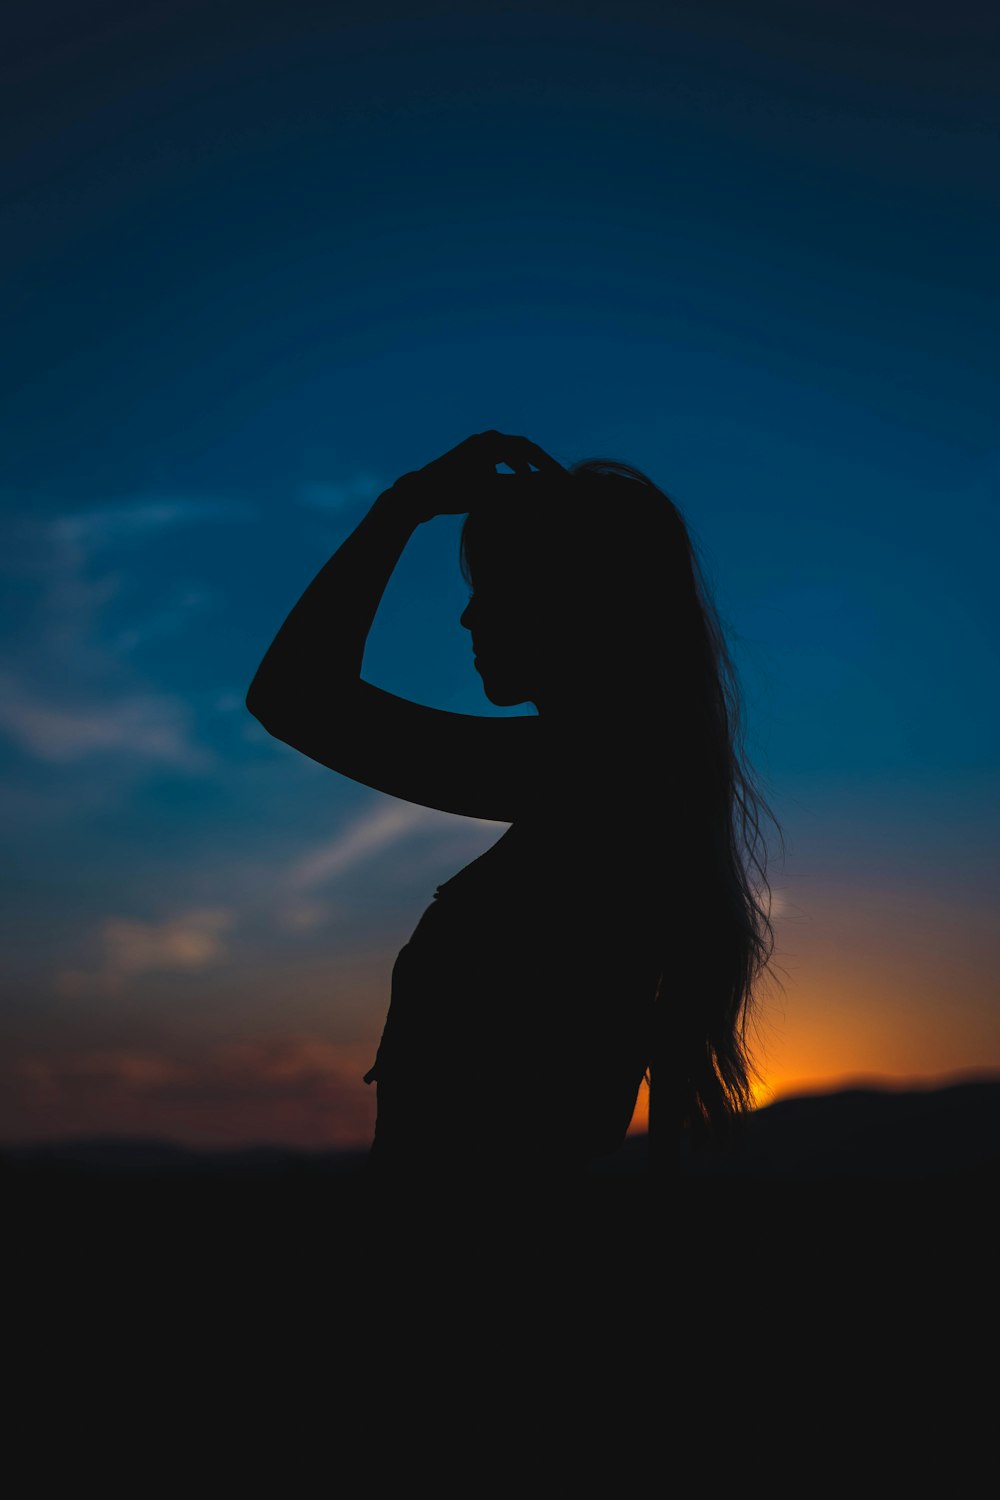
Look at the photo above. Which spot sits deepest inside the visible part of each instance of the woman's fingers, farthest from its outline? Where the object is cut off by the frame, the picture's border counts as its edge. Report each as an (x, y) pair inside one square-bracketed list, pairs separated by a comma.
[(543, 460), (519, 452), (519, 465), (465, 462)]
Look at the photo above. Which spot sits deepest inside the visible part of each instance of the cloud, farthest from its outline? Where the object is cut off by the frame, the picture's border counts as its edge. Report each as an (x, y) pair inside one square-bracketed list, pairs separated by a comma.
[(230, 700), (189, 941), (302, 917), (381, 826), (267, 1061), (295, 1089), (334, 495), (66, 691), (194, 938), (132, 1070), (289, 1060), (148, 726), (170, 621), (135, 520)]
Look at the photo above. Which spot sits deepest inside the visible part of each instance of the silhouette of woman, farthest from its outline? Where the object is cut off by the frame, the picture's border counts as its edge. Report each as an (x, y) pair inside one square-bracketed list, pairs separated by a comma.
[(614, 931)]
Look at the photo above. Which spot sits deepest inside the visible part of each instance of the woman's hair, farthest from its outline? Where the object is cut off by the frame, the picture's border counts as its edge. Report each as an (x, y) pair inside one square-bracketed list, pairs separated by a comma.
[(607, 537)]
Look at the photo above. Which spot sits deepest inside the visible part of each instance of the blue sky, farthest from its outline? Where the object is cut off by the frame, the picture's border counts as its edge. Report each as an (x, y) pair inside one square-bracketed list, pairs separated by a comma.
[(262, 259)]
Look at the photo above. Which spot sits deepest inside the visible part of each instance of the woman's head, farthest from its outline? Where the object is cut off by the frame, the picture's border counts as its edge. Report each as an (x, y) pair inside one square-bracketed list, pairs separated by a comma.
[(580, 586)]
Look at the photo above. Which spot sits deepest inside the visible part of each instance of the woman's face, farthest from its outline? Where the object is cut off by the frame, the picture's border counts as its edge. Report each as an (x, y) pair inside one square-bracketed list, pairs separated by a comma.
[(507, 641)]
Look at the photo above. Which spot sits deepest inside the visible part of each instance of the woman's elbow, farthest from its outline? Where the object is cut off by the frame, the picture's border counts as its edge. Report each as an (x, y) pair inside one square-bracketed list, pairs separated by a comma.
[(265, 706), (267, 699), (255, 702)]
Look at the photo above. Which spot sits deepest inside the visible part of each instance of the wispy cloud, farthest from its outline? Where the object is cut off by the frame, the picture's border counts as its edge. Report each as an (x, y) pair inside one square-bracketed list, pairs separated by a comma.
[(332, 495), (302, 916), (376, 829), (189, 941), (186, 605), (128, 1069), (296, 1089), (135, 520), (285, 896), (147, 725), (382, 827), (68, 689)]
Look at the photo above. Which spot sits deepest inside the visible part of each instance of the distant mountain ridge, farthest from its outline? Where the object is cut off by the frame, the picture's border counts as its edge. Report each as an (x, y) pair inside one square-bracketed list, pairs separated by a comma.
[(869, 1133), (951, 1133)]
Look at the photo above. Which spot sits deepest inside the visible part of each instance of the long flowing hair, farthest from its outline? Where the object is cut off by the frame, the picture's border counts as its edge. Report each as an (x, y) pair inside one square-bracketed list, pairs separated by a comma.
[(613, 547)]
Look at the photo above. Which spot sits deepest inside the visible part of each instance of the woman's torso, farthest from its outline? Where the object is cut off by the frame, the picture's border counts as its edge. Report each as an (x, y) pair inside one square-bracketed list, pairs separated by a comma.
[(518, 1025)]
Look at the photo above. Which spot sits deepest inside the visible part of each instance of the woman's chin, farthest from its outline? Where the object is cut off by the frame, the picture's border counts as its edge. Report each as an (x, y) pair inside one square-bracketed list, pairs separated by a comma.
[(504, 697)]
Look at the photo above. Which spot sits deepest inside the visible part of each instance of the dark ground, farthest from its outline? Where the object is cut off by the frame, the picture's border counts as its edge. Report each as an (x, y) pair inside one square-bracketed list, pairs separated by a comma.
[(861, 1222), (862, 1149)]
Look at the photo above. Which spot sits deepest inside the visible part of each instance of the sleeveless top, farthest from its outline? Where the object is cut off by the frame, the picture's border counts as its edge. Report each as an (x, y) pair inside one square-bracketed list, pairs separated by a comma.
[(519, 1019)]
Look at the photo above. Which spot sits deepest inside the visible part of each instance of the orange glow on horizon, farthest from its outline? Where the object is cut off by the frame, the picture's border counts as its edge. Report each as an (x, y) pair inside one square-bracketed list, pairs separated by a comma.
[(800, 1087), (886, 987), (640, 1115)]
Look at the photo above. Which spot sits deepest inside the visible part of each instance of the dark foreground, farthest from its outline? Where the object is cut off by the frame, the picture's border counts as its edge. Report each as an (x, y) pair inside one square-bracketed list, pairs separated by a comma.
[(261, 1313), (860, 1218)]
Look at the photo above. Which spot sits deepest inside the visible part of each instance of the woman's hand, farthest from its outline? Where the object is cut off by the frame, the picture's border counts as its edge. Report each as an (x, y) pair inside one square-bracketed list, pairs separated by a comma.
[(466, 475)]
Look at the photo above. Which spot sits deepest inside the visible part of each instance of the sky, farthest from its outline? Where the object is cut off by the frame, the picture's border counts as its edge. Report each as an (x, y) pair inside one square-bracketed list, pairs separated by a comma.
[(259, 259)]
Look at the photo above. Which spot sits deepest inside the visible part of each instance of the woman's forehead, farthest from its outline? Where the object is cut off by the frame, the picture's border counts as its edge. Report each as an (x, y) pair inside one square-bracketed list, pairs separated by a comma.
[(494, 537), (584, 525)]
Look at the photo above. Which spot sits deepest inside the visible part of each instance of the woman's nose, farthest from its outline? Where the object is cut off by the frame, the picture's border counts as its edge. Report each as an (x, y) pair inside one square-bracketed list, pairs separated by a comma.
[(464, 617)]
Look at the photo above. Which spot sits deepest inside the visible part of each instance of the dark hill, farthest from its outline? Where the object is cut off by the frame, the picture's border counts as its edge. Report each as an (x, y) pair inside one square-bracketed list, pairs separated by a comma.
[(857, 1135)]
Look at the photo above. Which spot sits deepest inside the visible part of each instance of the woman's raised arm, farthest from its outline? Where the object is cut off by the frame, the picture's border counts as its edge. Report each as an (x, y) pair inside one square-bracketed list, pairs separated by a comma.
[(309, 693), (317, 653)]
